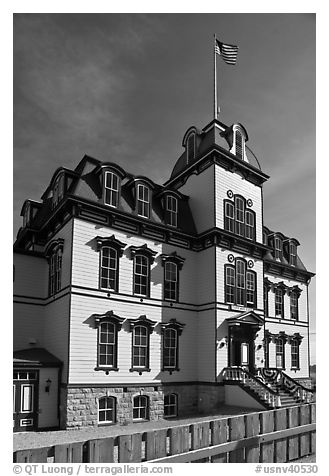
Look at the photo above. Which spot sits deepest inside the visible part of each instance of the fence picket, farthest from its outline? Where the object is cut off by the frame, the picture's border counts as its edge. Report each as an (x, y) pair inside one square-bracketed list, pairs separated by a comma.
[(69, 453), (313, 438), (252, 429), (156, 444), (101, 451), (293, 441), (305, 440), (267, 426), (179, 438), (280, 446), (200, 438), (219, 435), (35, 455), (237, 431), (130, 448)]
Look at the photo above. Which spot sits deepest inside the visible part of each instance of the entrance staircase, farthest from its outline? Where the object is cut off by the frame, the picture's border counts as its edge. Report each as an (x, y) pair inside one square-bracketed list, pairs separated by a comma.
[(272, 388)]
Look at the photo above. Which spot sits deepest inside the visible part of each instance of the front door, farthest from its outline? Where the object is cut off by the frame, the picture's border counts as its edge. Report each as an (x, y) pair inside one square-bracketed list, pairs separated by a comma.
[(25, 402), (241, 348)]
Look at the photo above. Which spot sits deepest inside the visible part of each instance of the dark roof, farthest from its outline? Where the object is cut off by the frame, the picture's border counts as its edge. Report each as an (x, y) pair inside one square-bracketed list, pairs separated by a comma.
[(38, 357)]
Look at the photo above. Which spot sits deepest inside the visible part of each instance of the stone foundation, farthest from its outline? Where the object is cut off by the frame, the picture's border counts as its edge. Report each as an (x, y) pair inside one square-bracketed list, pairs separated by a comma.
[(79, 406)]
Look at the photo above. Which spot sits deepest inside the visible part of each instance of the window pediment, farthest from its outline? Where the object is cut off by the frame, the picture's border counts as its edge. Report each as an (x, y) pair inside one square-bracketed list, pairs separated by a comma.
[(172, 324), (108, 316), (53, 247), (142, 321), (173, 257), (142, 250), (110, 241)]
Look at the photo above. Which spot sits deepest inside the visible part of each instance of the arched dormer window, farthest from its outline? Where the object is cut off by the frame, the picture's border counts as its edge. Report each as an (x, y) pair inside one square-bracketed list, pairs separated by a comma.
[(58, 190), (111, 189), (53, 253), (108, 325), (172, 265), (143, 257), (171, 212), (110, 250), (277, 247), (190, 147), (239, 139), (143, 200), (27, 214)]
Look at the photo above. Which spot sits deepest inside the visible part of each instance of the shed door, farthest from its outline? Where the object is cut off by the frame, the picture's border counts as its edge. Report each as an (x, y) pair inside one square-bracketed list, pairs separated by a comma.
[(25, 400)]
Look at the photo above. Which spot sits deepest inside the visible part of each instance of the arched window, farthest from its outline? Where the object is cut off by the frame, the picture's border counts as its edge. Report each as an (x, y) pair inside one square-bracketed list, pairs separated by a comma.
[(54, 254), (277, 248), (240, 273), (171, 281), (230, 284), (106, 410), (107, 344), (109, 268), (141, 275), (250, 289), (250, 225), (239, 216), (58, 190), (292, 254), (111, 189), (140, 347), (143, 201), (279, 303), (171, 211), (170, 405), (190, 147), (229, 216), (170, 349), (140, 408), (294, 354), (240, 284), (280, 354), (239, 144)]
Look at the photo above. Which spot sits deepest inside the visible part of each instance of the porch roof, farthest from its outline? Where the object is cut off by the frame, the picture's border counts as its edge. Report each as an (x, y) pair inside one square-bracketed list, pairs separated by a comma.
[(248, 317), (36, 357)]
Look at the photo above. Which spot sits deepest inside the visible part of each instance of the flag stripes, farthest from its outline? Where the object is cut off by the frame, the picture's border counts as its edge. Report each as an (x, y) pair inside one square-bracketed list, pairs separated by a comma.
[(229, 53)]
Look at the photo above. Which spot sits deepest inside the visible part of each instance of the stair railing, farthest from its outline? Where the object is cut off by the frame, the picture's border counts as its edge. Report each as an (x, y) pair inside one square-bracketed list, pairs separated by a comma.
[(303, 394), (238, 374)]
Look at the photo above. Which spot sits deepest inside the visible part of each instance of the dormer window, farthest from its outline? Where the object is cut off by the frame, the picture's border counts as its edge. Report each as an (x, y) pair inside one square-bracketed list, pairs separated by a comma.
[(171, 211), (190, 150), (238, 144), (277, 248), (143, 201), (111, 189), (292, 254), (238, 141), (27, 214), (58, 191)]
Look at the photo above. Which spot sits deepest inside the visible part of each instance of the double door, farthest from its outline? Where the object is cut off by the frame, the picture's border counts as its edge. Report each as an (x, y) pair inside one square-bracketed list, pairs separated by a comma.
[(25, 400)]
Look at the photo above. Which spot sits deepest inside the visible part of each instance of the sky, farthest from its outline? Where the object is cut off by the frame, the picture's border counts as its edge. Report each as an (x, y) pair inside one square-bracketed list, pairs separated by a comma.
[(125, 88)]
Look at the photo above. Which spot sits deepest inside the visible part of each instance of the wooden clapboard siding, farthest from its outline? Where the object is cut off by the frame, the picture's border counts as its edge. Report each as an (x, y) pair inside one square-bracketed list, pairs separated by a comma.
[(201, 190), (275, 328), (226, 180), (206, 345), (85, 265), (204, 275), (48, 401), (31, 276), (83, 342), (27, 324), (302, 301)]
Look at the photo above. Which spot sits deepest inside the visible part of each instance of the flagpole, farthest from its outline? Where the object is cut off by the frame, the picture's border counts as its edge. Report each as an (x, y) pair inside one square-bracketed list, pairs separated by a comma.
[(215, 79)]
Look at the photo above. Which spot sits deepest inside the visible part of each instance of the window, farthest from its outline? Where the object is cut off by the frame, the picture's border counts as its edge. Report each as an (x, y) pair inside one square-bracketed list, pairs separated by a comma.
[(141, 275), (279, 302), (240, 285), (292, 254), (143, 201), (106, 410), (58, 190), (170, 348), (250, 225), (111, 189), (294, 354), (170, 405), (27, 214), (266, 353), (239, 144), (140, 347), (54, 252), (280, 353), (294, 305), (107, 345), (190, 148), (109, 268), (170, 281), (171, 211), (265, 301), (238, 219), (229, 216), (140, 408), (277, 248)]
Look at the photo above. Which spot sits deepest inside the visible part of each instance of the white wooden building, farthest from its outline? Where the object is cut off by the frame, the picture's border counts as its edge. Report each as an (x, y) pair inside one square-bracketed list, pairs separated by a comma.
[(134, 300)]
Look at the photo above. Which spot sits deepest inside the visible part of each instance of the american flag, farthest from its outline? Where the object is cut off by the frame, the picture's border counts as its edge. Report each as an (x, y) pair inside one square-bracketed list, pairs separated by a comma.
[(229, 53)]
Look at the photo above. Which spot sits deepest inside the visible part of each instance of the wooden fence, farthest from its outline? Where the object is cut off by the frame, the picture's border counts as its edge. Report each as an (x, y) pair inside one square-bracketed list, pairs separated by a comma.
[(275, 436)]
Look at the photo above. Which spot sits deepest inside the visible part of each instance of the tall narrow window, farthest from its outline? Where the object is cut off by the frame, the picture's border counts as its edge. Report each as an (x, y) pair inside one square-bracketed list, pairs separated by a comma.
[(250, 225), (141, 275), (294, 354), (251, 289), (294, 305), (171, 211), (266, 353), (106, 410), (230, 284), (239, 216), (170, 349), (140, 347), (265, 301), (107, 345), (240, 282), (111, 189), (279, 302), (170, 405), (58, 191), (280, 353), (54, 254), (140, 408), (190, 148), (292, 254), (238, 144), (229, 216), (277, 248), (170, 281), (143, 201), (109, 268)]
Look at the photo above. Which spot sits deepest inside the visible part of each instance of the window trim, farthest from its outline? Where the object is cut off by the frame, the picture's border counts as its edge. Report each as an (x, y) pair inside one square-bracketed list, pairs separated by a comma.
[(147, 408), (171, 215), (112, 243), (54, 254), (233, 267), (295, 343), (116, 192), (107, 422), (178, 261), (280, 339), (116, 270), (108, 317), (142, 201), (232, 224), (147, 276), (166, 395), (142, 321), (165, 281), (188, 157)]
